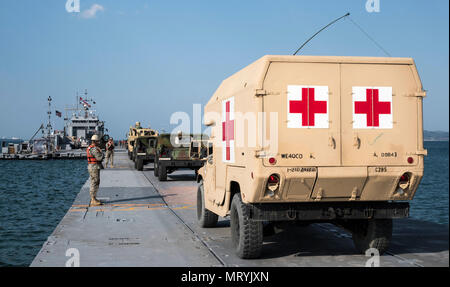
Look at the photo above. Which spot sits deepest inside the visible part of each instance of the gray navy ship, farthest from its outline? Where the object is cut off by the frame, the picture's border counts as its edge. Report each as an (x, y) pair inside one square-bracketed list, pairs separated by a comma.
[(69, 142), (83, 123)]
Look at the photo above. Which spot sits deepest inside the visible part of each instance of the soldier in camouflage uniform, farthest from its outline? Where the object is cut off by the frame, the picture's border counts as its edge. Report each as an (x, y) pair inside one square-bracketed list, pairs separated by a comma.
[(110, 152), (95, 157)]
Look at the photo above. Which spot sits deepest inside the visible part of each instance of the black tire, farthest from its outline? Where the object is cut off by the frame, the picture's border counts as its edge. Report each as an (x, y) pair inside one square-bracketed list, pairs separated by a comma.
[(246, 234), (372, 233), (139, 164), (155, 168), (162, 173), (205, 218)]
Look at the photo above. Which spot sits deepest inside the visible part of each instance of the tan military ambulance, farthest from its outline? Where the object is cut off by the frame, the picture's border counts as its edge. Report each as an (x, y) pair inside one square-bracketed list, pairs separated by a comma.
[(314, 139)]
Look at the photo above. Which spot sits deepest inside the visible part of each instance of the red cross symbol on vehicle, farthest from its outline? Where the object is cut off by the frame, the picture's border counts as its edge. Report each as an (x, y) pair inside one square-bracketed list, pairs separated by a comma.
[(308, 107), (373, 108), (227, 130)]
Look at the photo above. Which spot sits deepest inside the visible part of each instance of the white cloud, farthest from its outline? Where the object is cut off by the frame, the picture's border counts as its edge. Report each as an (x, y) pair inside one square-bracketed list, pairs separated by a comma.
[(91, 12)]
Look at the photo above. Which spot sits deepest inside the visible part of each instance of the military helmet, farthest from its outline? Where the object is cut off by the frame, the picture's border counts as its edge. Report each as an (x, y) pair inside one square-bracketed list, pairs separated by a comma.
[(95, 138)]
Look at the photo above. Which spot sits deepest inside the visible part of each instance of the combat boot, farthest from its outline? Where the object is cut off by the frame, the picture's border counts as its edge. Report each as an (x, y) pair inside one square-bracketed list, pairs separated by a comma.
[(95, 202)]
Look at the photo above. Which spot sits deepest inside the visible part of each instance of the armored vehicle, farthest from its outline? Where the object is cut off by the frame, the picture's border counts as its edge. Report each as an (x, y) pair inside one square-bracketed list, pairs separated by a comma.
[(144, 147), (314, 139), (179, 151)]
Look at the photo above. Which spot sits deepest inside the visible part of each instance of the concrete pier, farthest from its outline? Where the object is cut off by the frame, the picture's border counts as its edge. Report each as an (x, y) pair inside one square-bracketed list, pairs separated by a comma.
[(145, 222)]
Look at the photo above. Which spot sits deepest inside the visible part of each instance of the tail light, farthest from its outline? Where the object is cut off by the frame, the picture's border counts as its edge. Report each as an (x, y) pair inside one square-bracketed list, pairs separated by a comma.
[(273, 179), (272, 160), (273, 184), (410, 160), (404, 178), (403, 183)]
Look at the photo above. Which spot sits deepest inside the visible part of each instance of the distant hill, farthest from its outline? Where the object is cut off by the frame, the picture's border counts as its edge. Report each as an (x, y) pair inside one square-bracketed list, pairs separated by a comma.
[(435, 136)]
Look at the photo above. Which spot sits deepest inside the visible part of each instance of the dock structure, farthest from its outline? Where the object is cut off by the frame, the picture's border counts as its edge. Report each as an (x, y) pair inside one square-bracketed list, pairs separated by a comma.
[(75, 154), (145, 222)]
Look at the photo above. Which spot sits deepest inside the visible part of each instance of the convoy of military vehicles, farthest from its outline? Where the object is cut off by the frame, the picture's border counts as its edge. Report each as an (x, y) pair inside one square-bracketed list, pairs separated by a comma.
[(168, 152), (302, 139), (141, 144)]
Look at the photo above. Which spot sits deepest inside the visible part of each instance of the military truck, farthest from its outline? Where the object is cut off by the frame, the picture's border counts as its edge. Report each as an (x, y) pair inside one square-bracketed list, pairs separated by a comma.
[(133, 133), (179, 151), (144, 147), (314, 139)]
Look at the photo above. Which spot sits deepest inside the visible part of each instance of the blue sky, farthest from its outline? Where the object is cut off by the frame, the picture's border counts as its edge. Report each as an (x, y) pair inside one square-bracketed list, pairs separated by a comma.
[(143, 60)]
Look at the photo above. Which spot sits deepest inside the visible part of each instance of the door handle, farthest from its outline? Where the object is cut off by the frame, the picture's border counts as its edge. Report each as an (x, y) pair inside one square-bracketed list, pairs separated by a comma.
[(332, 142), (357, 142)]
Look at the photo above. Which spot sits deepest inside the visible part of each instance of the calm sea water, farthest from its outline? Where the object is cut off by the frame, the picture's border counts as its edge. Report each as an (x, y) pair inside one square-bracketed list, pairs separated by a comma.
[(431, 200), (35, 195)]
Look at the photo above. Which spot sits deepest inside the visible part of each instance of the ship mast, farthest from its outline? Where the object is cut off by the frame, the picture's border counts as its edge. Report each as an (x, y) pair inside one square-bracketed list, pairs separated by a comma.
[(49, 125)]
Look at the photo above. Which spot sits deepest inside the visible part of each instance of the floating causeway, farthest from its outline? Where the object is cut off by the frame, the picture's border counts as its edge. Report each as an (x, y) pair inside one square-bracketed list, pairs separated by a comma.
[(145, 222)]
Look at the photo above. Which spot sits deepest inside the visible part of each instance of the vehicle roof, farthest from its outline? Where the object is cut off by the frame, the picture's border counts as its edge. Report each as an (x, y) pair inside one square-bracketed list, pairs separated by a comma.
[(252, 76)]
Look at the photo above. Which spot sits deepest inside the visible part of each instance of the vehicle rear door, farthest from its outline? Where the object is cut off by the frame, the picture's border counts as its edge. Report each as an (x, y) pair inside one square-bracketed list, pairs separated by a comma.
[(379, 114), (306, 97)]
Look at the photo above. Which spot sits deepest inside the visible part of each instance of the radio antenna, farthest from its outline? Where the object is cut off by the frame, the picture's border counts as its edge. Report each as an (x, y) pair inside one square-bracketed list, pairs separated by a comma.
[(368, 36), (331, 23)]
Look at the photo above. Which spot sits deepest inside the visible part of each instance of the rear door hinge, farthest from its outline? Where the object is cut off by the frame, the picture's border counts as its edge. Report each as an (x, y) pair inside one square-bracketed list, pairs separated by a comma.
[(422, 152), (260, 93), (419, 152), (418, 94), (260, 154)]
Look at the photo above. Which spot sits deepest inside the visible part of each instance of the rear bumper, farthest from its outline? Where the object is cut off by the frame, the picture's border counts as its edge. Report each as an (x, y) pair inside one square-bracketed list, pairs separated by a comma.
[(323, 211), (181, 163), (365, 184), (147, 157)]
